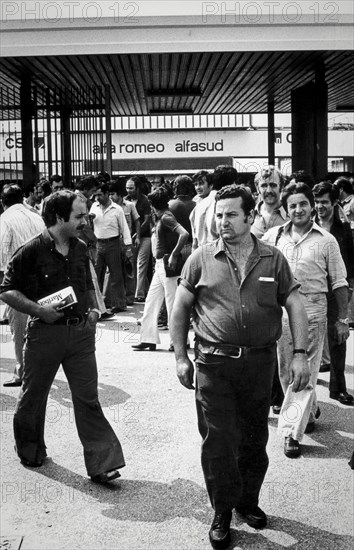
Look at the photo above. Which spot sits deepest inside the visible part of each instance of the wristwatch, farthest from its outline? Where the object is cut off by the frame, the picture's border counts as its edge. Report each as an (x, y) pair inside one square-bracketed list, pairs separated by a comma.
[(344, 321), (96, 311)]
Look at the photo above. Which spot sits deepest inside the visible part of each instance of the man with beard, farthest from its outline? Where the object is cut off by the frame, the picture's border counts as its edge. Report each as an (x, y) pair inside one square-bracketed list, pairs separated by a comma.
[(56, 335)]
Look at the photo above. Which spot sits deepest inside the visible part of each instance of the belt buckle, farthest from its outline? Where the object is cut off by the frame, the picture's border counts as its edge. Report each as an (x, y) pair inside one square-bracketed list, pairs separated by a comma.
[(238, 355), (73, 321)]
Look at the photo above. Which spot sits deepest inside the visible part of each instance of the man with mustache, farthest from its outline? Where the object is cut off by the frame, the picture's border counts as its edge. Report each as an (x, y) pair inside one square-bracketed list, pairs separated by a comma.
[(45, 265), (269, 211)]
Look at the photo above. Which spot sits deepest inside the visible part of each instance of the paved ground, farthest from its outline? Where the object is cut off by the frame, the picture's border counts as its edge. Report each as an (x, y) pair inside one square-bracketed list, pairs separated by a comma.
[(160, 502)]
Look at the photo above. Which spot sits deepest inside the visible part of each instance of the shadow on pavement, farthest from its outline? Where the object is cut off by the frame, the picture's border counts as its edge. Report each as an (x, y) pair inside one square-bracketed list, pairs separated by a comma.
[(155, 502), (330, 433)]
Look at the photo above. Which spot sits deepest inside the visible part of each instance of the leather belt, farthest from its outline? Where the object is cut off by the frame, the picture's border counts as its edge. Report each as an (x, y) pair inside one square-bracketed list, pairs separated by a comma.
[(68, 321), (234, 352), (107, 240)]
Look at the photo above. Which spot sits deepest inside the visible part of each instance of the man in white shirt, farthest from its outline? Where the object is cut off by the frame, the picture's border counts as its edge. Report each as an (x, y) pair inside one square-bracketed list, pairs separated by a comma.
[(316, 262), (112, 232), (18, 224)]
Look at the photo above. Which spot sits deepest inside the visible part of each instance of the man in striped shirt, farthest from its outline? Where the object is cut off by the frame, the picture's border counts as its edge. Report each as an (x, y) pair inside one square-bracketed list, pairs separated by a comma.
[(18, 224)]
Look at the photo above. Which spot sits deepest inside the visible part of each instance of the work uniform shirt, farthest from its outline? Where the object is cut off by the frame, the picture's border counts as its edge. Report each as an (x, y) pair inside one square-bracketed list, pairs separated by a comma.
[(233, 312), (37, 270), (314, 260), (260, 226), (110, 222)]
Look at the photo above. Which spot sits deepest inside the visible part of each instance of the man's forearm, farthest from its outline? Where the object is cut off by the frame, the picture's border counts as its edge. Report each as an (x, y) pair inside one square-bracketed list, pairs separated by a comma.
[(341, 296), (179, 330), (92, 300), (20, 302), (298, 322)]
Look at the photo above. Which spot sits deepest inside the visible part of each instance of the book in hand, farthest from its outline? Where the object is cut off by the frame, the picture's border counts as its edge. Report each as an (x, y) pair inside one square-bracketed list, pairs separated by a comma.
[(66, 295)]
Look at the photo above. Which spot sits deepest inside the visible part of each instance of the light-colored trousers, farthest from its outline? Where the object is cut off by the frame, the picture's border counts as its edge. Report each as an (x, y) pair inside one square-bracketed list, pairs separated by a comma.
[(18, 323), (316, 309), (161, 287)]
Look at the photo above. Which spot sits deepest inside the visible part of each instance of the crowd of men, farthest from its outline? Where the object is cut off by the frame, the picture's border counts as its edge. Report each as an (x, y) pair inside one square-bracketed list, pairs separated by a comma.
[(283, 250)]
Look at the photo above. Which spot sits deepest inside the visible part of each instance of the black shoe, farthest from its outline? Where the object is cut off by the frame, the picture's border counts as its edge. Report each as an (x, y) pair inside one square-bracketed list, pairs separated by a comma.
[(4, 322), (106, 477), (106, 315), (30, 464), (291, 447), (325, 368), (144, 345), (276, 409), (219, 534), (139, 300), (345, 398), (13, 383), (310, 427), (254, 517), (118, 309)]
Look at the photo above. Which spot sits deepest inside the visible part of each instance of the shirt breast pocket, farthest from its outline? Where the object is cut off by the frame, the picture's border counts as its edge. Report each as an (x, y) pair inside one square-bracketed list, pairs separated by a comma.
[(267, 292)]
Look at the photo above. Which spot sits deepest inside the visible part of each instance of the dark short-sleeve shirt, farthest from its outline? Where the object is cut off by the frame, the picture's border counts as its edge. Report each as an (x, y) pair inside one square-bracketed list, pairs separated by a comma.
[(233, 313), (143, 208), (37, 270), (181, 209), (166, 234)]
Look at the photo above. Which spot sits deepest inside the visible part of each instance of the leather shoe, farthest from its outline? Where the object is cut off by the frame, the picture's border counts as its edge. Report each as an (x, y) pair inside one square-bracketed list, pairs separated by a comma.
[(14, 382), (144, 345), (325, 368), (291, 447), (119, 309), (254, 517), (276, 409), (344, 397), (106, 477), (106, 315), (30, 464), (4, 322), (219, 534)]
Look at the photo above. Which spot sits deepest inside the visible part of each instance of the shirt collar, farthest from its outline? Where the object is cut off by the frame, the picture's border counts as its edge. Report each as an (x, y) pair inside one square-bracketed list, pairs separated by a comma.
[(260, 248), (348, 199), (279, 210), (49, 241), (314, 227)]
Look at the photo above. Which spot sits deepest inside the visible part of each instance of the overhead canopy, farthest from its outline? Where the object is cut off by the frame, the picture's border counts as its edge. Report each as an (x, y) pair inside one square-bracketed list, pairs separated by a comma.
[(195, 83), (182, 56)]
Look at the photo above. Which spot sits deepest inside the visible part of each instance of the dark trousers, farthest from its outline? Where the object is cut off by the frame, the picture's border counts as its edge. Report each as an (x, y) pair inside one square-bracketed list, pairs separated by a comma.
[(109, 255), (337, 351), (46, 347), (233, 399)]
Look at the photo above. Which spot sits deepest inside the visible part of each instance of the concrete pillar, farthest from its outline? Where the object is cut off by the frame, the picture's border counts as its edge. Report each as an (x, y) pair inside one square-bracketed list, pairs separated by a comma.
[(309, 108)]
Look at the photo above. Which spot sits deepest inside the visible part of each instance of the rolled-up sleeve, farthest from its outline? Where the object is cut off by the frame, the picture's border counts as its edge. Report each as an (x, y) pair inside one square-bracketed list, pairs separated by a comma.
[(337, 272)]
